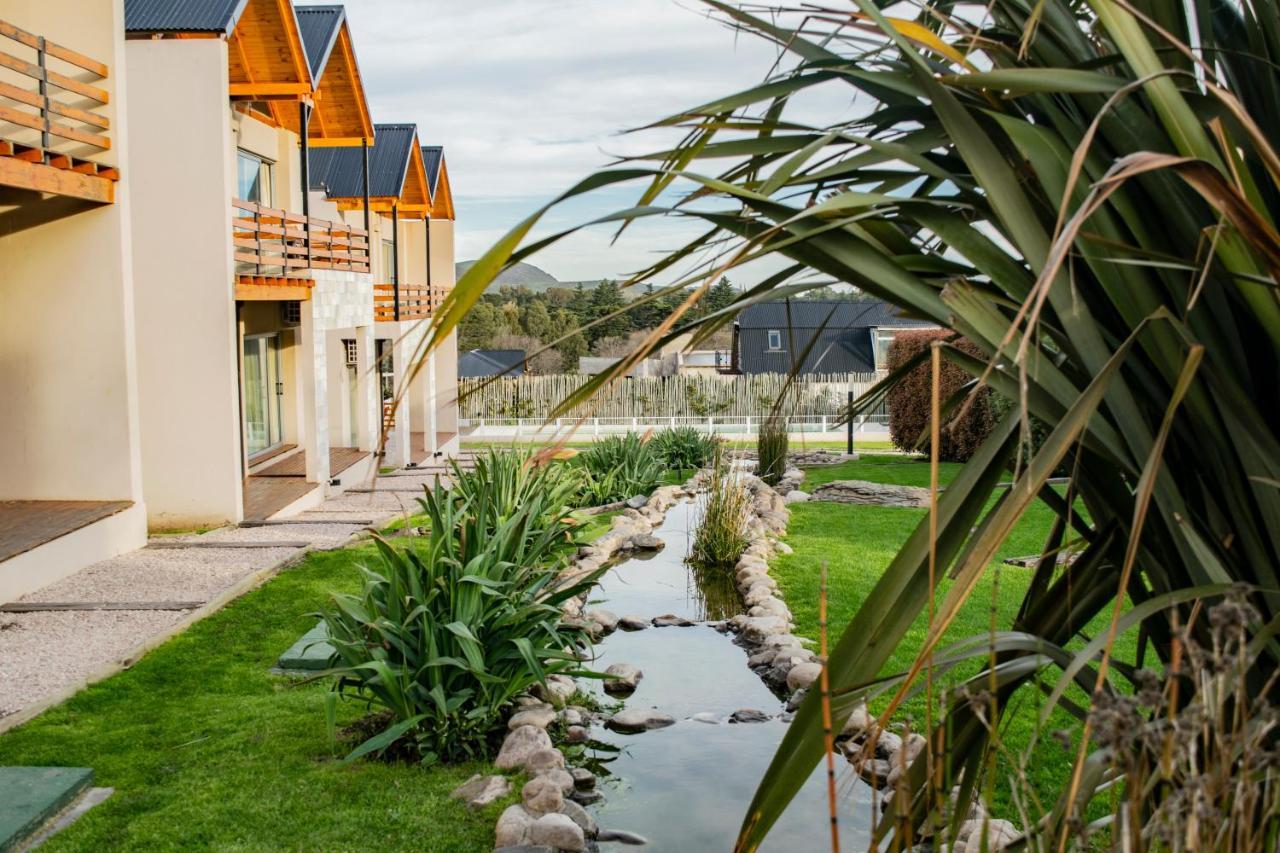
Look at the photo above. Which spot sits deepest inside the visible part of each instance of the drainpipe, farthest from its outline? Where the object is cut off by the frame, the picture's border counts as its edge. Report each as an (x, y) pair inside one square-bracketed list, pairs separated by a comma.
[(395, 259), (304, 125), (364, 156)]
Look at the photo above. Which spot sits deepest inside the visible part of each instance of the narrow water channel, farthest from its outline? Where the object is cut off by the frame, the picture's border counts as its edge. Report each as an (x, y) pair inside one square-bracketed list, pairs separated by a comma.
[(687, 786)]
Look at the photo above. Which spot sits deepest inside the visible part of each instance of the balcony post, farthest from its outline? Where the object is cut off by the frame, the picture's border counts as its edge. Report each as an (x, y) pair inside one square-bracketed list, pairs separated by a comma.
[(426, 230), (304, 124), (44, 98), (364, 157), (395, 261)]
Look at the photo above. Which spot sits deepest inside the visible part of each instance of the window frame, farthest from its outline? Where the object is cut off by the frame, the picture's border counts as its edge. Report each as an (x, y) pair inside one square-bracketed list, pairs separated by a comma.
[(266, 177), (773, 340)]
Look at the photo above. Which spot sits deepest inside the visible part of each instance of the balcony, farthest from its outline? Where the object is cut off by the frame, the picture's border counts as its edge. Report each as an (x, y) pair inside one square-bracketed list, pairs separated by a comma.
[(416, 302), (272, 244), (51, 121)]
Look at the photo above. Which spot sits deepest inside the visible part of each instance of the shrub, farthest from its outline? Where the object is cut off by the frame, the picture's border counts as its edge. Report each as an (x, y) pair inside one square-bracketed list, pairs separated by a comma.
[(618, 467), (445, 636), (771, 450), (684, 447), (722, 523), (909, 401)]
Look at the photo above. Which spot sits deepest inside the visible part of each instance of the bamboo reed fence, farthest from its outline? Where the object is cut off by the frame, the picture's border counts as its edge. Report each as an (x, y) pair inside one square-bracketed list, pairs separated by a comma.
[(649, 397)]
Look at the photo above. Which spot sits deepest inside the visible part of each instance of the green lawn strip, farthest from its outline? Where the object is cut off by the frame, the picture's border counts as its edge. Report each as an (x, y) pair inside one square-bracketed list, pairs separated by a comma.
[(206, 749), (858, 543)]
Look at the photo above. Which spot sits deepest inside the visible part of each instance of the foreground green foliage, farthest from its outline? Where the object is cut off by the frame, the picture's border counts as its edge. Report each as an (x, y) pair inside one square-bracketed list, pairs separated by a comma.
[(445, 635), (617, 468), (207, 749)]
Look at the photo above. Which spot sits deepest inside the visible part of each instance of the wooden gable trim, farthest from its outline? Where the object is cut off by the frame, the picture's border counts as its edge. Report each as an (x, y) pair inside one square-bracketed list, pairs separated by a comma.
[(342, 111), (442, 204), (267, 60), (416, 192)]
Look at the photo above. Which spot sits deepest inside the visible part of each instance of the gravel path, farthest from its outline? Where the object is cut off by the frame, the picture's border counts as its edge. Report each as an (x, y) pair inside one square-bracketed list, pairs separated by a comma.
[(44, 654)]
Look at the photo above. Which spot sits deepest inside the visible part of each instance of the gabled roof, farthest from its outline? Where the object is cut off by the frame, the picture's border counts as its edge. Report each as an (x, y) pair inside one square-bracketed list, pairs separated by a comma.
[(491, 362), (396, 173), (438, 182), (182, 16), (833, 314), (341, 115)]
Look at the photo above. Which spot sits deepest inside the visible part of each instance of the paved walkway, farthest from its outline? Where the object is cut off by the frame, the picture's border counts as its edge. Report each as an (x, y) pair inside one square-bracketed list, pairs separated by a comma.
[(123, 606)]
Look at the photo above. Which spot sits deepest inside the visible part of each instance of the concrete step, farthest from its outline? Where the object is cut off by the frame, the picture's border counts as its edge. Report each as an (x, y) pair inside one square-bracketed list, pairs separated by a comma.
[(30, 797)]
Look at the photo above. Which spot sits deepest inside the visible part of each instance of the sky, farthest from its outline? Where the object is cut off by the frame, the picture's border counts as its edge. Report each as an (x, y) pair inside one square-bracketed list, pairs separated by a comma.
[(528, 97)]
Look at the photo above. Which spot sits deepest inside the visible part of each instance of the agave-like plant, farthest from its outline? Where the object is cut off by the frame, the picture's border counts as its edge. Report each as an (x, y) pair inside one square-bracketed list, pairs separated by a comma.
[(617, 468), (1089, 193)]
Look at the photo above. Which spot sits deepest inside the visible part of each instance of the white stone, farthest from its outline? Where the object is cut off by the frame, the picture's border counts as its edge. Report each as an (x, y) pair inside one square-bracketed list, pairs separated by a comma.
[(800, 676), (558, 831), (540, 715), (479, 791), (542, 795), (519, 745), (513, 827), (999, 835), (796, 496)]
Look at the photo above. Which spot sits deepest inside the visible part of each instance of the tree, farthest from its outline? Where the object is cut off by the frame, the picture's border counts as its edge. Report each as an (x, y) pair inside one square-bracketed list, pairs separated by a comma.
[(535, 320), (606, 299), (481, 325), (721, 295)]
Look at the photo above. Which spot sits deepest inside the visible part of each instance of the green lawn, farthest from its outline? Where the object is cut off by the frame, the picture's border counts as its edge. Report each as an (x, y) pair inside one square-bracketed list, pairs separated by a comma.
[(858, 542), (206, 749)]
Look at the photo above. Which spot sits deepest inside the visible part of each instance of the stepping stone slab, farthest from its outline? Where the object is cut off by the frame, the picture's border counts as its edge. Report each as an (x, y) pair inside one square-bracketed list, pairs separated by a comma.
[(670, 620), (310, 654), (633, 623), (634, 720), (31, 796)]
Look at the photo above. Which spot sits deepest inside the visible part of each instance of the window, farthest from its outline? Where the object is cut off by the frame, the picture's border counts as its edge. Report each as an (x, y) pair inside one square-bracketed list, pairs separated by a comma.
[(883, 337), (775, 339), (253, 178), (388, 261)]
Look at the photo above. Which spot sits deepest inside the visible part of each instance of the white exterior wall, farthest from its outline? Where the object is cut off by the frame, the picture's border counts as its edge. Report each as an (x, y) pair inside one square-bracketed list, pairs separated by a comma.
[(183, 168), (69, 422)]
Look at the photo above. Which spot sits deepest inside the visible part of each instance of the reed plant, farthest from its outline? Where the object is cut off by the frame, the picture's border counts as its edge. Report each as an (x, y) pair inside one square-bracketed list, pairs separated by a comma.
[(721, 535), (771, 450)]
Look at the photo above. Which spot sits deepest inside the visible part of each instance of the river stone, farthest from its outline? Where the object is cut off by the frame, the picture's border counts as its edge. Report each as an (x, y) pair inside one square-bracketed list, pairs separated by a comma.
[(748, 715), (623, 678), (603, 618), (633, 623), (525, 848), (559, 832), (784, 548), (583, 779), (756, 629), (873, 771), (802, 675), (762, 658), (540, 715), (887, 744), (632, 720), (577, 734), (999, 835), (479, 791), (587, 798), (572, 716), (542, 794), (771, 606), (637, 501), (579, 815), (912, 745), (519, 745), (796, 496), (796, 698), (558, 690), (543, 760), (621, 836), (860, 720), (758, 593), (513, 827), (706, 717), (670, 620), (647, 542)]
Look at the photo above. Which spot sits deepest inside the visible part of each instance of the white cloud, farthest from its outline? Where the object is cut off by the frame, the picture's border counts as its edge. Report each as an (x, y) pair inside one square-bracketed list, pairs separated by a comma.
[(528, 97)]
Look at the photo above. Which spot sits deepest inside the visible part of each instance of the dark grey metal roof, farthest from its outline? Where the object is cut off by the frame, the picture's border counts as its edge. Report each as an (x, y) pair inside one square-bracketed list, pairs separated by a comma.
[(833, 314), (340, 171), (182, 16), (491, 362), (836, 351), (319, 27), (432, 158)]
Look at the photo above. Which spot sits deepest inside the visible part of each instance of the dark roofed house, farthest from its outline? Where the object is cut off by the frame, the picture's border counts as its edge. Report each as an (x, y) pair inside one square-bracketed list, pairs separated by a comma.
[(831, 337), (340, 171), (479, 363)]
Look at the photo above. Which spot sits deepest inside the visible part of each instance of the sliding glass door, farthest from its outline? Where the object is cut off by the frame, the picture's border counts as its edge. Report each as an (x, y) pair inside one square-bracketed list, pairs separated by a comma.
[(263, 390)]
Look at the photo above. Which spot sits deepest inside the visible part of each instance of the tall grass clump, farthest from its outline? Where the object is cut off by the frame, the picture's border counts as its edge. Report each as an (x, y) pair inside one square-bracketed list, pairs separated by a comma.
[(442, 637), (617, 468), (721, 535), (684, 447), (771, 450)]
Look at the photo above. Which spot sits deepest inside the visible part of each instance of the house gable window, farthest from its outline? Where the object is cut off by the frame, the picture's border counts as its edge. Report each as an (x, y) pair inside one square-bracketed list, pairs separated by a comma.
[(253, 178), (775, 339)]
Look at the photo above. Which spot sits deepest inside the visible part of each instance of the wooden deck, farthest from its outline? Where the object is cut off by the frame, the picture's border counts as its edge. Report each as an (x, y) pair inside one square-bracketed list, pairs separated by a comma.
[(340, 459), (418, 445), (275, 487), (25, 525)]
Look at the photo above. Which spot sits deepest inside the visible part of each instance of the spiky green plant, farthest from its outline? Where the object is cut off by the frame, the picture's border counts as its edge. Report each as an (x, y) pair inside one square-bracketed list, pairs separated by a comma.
[(720, 534), (1088, 192), (446, 635), (683, 447), (771, 450), (616, 468)]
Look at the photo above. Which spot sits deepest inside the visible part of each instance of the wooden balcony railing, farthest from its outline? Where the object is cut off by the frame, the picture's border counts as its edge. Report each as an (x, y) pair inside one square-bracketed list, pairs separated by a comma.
[(416, 302), (50, 125), (271, 242)]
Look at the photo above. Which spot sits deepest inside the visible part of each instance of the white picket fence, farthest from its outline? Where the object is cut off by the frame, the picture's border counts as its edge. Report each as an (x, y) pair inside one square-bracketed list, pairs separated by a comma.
[(716, 401)]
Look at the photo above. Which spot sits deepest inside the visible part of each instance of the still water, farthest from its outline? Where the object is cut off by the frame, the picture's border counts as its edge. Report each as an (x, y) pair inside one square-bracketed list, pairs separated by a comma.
[(687, 787)]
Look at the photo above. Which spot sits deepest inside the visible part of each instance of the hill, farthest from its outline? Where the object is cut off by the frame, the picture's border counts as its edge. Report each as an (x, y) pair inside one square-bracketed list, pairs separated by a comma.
[(525, 275)]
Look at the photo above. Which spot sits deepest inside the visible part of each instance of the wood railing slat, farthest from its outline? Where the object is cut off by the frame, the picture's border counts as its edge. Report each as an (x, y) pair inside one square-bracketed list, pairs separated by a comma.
[(53, 49)]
